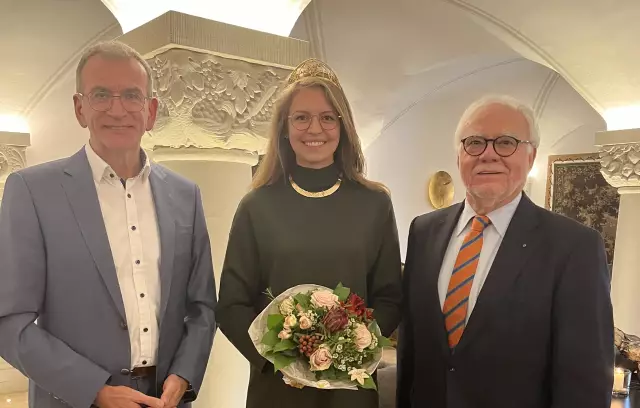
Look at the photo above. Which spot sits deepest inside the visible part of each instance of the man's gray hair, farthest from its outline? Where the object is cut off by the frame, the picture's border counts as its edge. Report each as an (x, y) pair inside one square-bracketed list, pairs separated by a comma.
[(113, 50), (504, 100)]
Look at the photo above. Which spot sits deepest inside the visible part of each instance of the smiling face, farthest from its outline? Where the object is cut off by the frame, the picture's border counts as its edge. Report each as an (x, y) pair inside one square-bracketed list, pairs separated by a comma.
[(491, 180), (313, 128), (116, 129)]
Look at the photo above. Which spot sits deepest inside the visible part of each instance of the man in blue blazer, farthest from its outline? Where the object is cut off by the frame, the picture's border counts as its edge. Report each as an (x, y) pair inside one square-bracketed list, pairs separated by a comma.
[(506, 304), (110, 254)]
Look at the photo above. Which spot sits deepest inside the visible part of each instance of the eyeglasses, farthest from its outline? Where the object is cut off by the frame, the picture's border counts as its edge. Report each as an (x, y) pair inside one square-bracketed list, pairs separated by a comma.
[(302, 120), (102, 101), (504, 146)]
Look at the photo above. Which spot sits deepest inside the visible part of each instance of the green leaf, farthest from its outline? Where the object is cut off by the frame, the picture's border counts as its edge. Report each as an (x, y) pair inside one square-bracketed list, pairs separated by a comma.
[(290, 353), (384, 342), (284, 345), (342, 292), (270, 338), (369, 384), (328, 374), (275, 320), (302, 300), (281, 361)]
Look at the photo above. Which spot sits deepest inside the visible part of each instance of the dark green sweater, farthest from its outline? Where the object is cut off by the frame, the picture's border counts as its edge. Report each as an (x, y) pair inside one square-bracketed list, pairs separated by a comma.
[(280, 239)]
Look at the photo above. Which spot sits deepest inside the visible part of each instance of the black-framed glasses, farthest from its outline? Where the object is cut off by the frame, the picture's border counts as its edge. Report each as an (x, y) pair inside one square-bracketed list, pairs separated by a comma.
[(102, 101), (504, 146), (302, 120)]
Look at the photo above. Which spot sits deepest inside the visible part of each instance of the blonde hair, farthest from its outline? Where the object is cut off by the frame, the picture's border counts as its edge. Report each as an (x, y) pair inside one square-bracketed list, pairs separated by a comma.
[(113, 50), (280, 158)]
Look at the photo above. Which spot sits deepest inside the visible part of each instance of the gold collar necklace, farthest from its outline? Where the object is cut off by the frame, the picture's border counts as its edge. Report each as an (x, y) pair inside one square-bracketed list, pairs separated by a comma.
[(316, 194)]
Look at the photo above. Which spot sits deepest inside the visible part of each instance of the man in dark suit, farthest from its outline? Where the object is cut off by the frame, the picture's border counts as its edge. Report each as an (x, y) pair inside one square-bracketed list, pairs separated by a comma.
[(505, 304)]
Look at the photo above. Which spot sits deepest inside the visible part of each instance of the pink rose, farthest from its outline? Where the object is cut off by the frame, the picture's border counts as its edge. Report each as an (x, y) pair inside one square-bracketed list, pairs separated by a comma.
[(305, 323), (321, 359), (284, 334), (289, 322), (362, 337), (324, 298)]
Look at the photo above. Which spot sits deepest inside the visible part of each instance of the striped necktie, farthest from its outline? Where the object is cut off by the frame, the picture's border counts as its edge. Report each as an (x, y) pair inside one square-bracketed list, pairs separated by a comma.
[(457, 299)]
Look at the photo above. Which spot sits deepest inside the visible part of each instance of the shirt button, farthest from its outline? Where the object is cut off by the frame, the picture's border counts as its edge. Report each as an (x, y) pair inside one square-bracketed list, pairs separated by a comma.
[(111, 175), (142, 295), (133, 228), (145, 330), (144, 362), (137, 262), (128, 195)]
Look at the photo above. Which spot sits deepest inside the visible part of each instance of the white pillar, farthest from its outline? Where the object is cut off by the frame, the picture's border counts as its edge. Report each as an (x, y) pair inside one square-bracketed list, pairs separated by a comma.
[(216, 85), (224, 178), (620, 160), (13, 148)]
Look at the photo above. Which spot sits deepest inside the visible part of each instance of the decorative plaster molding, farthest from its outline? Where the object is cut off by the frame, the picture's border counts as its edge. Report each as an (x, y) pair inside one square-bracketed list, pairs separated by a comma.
[(207, 101), (12, 158), (620, 157), (621, 164), (13, 153)]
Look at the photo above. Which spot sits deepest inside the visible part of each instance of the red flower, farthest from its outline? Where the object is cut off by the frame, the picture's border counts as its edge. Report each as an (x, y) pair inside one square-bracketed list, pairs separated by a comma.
[(335, 320), (355, 305), (369, 314)]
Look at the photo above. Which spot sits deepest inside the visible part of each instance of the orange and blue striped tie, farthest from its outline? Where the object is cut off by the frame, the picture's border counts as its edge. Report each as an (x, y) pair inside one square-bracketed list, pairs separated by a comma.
[(457, 300)]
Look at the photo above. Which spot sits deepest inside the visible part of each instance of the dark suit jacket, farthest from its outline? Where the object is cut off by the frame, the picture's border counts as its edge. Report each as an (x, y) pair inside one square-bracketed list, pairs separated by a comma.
[(540, 335)]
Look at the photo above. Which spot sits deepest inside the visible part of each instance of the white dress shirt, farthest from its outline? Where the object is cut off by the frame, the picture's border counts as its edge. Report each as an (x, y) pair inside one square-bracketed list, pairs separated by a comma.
[(492, 238), (130, 219)]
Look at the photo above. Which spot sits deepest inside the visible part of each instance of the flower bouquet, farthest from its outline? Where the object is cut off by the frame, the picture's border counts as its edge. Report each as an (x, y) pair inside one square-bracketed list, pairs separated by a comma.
[(321, 338)]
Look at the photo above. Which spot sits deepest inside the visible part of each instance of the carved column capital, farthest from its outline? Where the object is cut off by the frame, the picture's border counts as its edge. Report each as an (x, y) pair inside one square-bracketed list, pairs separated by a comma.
[(212, 102), (216, 83), (620, 157), (13, 149)]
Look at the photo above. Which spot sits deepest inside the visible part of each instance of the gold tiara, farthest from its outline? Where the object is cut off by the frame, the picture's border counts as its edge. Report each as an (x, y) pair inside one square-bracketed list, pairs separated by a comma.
[(313, 68)]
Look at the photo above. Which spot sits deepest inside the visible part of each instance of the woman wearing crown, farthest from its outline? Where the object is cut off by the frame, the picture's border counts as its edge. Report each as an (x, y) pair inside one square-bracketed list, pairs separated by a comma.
[(311, 218)]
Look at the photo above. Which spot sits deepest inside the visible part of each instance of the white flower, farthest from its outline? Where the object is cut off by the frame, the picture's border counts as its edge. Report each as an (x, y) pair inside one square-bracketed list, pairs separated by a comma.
[(363, 337), (286, 307), (374, 342), (324, 298), (322, 384), (290, 321), (284, 334), (359, 375), (305, 322)]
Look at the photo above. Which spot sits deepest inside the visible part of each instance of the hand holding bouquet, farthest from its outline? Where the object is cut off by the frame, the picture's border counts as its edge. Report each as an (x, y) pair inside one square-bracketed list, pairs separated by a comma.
[(320, 338)]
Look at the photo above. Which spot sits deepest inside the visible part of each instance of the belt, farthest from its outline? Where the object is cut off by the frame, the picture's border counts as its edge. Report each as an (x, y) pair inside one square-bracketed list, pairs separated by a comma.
[(143, 372)]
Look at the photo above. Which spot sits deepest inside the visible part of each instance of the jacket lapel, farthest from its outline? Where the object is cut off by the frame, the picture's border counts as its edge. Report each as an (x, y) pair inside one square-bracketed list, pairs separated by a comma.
[(163, 201), (440, 237), (516, 247), (83, 199)]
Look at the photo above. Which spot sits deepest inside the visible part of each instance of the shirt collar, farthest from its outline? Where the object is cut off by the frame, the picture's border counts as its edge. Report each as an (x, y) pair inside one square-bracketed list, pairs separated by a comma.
[(500, 218), (101, 170)]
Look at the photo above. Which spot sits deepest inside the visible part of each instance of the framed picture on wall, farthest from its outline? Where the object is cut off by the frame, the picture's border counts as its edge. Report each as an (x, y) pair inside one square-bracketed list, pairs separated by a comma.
[(577, 189)]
